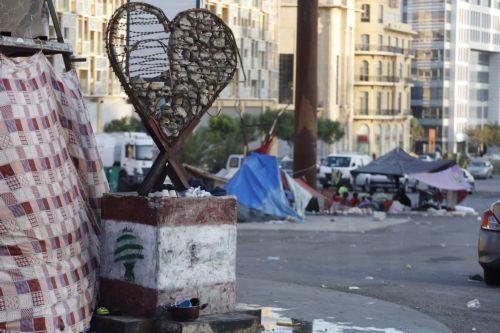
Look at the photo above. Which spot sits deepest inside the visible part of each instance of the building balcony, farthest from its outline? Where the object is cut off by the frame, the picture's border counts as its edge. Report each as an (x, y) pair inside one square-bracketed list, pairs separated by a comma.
[(382, 113), (376, 80), (370, 49)]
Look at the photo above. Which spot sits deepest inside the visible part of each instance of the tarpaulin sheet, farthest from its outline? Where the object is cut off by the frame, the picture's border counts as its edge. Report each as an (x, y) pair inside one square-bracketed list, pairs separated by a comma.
[(51, 180), (300, 194), (257, 185), (397, 162), (314, 193), (451, 179)]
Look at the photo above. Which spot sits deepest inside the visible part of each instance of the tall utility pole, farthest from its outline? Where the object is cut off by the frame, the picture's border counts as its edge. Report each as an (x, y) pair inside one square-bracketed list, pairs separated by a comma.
[(306, 92)]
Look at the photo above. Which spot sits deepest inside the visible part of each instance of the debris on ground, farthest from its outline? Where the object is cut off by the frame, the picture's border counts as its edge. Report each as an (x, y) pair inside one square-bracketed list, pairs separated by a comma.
[(197, 192), (408, 266), (476, 277), (273, 258), (324, 286), (474, 304), (354, 288), (369, 278)]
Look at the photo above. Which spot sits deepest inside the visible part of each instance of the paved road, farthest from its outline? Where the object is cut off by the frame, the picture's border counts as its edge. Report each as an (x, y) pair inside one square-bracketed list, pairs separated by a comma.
[(423, 264)]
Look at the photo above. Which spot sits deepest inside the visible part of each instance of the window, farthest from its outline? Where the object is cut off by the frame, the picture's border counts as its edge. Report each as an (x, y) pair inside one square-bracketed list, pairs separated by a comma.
[(365, 15), (363, 102), (365, 42), (381, 14), (379, 71), (365, 70), (380, 40), (286, 78), (379, 101)]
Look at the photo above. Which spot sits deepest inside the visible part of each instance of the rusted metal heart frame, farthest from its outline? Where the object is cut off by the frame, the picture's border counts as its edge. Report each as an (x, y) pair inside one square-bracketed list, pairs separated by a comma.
[(167, 162)]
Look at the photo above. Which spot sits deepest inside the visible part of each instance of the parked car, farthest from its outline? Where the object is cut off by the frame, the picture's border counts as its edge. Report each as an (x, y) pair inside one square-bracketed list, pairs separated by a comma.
[(425, 158), (470, 180), (489, 244), (344, 163), (481, 169), (372, 183), (286, 165)]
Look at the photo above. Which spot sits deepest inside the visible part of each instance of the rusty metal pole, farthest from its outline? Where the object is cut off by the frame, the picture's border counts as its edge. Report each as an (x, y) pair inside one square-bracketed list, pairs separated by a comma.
[(306, 91)]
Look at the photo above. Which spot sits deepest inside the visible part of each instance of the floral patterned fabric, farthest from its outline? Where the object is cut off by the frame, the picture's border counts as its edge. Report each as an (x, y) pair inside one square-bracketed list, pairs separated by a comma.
[(51, 180)]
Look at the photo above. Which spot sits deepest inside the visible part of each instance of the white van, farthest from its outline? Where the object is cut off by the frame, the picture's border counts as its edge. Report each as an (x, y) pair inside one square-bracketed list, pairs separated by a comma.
[(344, 163)]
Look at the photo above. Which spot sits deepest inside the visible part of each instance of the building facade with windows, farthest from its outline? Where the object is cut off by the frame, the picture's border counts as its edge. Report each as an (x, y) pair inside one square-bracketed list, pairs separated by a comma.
[(456, 68), (336, 41), (254, 24), (382, 78), (83, 24)]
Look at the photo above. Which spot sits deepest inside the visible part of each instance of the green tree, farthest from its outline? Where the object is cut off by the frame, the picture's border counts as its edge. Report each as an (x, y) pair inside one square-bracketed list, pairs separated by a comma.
[(484, 136), (416, 132), (329, 131), (125, 124), (209, 147)]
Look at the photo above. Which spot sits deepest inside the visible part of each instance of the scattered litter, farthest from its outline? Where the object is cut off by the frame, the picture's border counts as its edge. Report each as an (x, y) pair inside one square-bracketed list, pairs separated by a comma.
[(354, 288), (369, 278), (443, 245), (474, 329), (352, 245), (379, 216), (397, 207), (285, 324), (163, 194), (273, 258), (474, 304), (437, 212), (465, 209), (324, 286), (408, 266), (196, 193), (476, 277)]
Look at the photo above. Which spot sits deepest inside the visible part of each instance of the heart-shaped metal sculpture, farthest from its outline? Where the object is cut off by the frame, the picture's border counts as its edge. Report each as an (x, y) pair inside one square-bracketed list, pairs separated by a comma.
[(172, 72)]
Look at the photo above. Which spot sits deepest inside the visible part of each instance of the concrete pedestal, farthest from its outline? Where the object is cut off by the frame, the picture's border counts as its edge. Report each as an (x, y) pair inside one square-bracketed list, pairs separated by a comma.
[(156, 251)]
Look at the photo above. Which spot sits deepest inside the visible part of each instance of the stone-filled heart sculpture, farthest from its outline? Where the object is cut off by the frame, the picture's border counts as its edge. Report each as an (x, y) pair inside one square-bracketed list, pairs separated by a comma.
[(172, 71)]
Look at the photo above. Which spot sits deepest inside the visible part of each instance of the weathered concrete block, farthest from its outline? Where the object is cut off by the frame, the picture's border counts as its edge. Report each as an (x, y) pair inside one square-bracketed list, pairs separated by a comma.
[(156, 251), (120, 324), (237, 322), (230, 322)]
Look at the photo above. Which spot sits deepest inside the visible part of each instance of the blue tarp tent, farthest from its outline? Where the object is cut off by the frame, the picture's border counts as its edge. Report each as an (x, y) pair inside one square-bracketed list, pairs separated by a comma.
[(257, 185)]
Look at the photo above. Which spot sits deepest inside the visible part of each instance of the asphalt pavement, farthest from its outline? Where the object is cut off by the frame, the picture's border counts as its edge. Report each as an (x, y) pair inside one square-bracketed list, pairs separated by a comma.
[(406, 274)]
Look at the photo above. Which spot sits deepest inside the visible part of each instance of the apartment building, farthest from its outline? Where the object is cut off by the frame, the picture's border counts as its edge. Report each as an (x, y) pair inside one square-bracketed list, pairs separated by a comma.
[(254, 25), (382, 78), (336, 44), (83, 24), (456, 68)]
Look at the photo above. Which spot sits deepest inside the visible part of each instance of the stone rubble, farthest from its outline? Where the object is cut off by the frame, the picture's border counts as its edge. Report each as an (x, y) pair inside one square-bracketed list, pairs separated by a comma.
[(202, 62)]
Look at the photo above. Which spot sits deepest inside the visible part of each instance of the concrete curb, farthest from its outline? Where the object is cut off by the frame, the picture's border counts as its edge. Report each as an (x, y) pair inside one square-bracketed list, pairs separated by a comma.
[(343, 312)]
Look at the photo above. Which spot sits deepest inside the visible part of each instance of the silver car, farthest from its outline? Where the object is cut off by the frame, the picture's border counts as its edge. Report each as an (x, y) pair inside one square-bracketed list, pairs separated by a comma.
[(489, 244), (481, 169)]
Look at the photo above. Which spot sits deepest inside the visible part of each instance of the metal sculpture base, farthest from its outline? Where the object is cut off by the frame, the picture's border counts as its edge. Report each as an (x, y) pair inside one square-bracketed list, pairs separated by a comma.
[(165, 165)]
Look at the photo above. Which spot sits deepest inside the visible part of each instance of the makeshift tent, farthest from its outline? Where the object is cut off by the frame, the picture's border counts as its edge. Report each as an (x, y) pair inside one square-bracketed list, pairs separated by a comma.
[(257, 185), (399, 163), (451, 179), (300, 194), (314, 193)]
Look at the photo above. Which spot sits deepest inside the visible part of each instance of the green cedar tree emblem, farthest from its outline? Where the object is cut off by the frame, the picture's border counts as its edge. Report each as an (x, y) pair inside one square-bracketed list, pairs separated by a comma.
[(128, 251)]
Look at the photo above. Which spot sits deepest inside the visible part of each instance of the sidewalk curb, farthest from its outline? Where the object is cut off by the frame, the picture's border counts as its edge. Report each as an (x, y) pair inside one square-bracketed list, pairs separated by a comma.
[(317, 303)]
